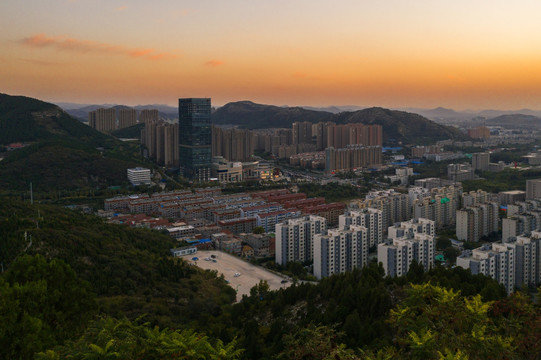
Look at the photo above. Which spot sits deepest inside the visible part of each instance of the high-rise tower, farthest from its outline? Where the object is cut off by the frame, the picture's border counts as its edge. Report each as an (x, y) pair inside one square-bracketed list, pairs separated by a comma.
[(195, 138)]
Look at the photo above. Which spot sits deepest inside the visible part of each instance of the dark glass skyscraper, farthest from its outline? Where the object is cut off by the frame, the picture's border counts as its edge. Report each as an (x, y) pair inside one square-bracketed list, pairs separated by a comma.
[(195, 136)]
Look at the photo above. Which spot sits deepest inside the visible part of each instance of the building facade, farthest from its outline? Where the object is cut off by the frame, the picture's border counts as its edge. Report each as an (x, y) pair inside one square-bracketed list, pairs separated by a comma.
[(195, 138), (294, 238)]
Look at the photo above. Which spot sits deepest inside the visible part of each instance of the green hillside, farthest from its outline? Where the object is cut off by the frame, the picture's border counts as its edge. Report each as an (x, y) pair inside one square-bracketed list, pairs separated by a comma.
[(62, 154), (400, 126)]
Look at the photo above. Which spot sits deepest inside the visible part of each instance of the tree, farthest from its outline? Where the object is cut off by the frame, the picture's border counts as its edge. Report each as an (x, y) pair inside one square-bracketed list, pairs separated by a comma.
[(109, 338), (42, 304), (259, 230)]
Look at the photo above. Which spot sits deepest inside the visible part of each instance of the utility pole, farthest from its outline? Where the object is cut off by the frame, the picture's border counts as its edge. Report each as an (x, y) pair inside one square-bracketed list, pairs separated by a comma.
[(31, 195)]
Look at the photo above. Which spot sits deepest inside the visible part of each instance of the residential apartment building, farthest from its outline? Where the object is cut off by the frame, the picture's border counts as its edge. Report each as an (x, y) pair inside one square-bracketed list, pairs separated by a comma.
[(371, 219), (474, 222), (495, 260), (408, 243), (340, 250), (533, 189), (294, 238)]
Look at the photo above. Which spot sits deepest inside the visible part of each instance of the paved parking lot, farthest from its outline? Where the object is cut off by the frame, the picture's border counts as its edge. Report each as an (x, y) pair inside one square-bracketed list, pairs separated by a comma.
[(228, 265)]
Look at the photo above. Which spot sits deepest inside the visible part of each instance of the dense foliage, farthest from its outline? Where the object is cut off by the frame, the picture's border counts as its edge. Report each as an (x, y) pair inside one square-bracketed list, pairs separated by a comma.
[(509, 179), (331, 192)]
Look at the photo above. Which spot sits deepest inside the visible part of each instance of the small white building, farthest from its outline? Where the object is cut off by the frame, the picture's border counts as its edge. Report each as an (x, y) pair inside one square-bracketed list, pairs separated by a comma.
[(139, 176)]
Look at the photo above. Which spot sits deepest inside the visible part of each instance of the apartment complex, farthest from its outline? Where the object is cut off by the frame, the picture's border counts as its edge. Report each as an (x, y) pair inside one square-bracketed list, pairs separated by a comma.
[(340, 250), (395, 207), (295, 237), (161, 139), (495, 260), (233, 144), (371, 219), (410, 241), (474, 222), (440, 205), (480, 161), (533, 189), (352, 157)]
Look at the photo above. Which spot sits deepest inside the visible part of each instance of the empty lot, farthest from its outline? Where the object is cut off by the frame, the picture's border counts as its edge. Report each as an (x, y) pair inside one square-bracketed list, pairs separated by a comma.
[(228, 265)]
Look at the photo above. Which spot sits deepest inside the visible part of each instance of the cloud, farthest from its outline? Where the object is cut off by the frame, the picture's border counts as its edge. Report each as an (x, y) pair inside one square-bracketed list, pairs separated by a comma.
[(214, 63), (121, 8), (40, 62), (64, 43)]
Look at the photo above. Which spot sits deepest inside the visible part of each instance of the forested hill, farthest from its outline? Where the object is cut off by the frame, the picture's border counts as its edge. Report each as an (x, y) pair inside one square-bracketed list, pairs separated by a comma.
[(130, 271), (23, 119), (61, 152), (250, 115), (398, 126)]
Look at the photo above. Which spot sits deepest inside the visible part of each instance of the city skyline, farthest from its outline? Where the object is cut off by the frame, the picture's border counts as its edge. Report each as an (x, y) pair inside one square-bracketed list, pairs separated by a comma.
[(460, 55)]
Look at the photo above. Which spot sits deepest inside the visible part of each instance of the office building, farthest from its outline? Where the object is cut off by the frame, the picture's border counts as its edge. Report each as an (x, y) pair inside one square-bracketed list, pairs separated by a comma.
[(371, 219), (411, 241), (139, 176), (295, 237), (480, 161), (533, 189), (340, 250), (226, 171), (195, 137)]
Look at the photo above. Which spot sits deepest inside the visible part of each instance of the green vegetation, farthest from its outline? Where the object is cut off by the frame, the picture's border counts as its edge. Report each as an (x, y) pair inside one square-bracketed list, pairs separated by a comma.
[(509, 179), (331, 192), (64, 153), (122, 339), (132, 132)]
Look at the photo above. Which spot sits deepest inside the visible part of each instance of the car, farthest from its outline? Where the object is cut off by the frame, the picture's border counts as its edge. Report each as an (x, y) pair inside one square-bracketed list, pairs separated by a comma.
[(207, 259), (213, 256), (214, 260), (283, 281), (237, 274)]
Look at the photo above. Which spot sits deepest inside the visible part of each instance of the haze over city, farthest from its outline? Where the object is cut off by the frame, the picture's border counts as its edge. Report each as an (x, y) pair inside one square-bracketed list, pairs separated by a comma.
[(460, 54)]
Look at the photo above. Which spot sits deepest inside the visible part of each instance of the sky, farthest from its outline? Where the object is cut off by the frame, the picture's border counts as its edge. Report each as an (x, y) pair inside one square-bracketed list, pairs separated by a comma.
[(460, 54)]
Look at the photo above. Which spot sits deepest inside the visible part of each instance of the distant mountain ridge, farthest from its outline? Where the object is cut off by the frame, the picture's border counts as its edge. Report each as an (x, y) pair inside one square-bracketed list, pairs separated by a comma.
[(81, 112), (398, 126), (516, 121)]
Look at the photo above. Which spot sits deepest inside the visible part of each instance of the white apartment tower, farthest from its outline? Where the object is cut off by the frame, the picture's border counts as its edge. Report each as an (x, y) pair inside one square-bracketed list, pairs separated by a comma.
[(496, 260), (408, 241), (340, 250), (294, 238), (371, 219)]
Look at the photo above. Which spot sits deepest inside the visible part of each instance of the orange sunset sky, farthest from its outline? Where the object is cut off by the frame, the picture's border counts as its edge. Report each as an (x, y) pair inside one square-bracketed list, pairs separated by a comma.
[(462, 54)]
